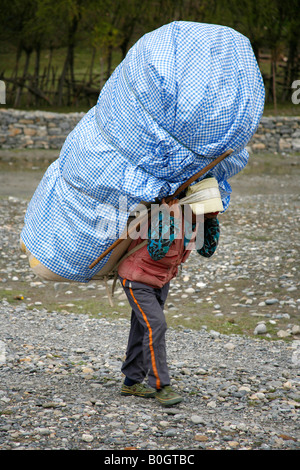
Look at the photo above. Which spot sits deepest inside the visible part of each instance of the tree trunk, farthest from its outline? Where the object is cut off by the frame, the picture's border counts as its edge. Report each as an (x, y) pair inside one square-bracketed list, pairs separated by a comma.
[(128, 31), (62, 79), (14, 74), (274, 85), (49, 67), (92, 65), (108, 62), (25, 70), (69, 61), (71, 69), (291, 68), (37, 70)]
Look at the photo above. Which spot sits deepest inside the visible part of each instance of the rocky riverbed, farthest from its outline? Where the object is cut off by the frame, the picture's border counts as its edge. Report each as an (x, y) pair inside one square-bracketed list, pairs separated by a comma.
[(233, 339)]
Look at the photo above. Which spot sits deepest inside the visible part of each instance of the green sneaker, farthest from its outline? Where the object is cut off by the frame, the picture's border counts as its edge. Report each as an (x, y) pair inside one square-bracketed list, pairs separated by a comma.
[(139, 390), (167, 397)]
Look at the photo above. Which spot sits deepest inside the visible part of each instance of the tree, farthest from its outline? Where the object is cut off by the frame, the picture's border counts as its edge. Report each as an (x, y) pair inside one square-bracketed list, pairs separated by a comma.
[(63, 17), (108, 28), (17, 19)]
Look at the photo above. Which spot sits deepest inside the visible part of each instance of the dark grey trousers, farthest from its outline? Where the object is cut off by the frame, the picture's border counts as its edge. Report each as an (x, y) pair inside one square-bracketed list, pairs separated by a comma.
[(146, 349)]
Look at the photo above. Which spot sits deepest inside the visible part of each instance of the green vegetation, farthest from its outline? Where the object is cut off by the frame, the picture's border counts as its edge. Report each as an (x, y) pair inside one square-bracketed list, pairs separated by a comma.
[(57, 55), (270, 164), (189, 315)]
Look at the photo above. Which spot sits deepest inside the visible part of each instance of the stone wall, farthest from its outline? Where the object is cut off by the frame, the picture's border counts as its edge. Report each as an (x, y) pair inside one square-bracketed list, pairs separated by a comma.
[(46, 130), (277, 134), (35, 129)]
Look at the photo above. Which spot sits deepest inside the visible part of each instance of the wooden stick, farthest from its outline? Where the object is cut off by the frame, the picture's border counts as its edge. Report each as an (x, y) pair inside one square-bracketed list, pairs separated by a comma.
[(197, 175), (168, 199)]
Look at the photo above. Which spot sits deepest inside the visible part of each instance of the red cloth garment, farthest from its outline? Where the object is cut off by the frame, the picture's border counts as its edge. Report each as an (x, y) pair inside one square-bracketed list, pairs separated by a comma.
[(140, 267)]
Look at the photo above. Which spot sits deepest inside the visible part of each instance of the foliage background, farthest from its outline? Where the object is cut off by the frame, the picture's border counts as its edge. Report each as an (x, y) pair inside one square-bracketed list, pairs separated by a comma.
[(57, 55)]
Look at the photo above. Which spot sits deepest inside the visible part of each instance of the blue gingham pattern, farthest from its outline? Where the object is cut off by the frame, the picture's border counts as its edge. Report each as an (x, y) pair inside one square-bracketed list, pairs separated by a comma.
[(184, 94)]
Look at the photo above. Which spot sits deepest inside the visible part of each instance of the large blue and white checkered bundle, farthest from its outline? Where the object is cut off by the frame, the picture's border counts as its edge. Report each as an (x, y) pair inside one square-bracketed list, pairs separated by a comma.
[(184, 94)]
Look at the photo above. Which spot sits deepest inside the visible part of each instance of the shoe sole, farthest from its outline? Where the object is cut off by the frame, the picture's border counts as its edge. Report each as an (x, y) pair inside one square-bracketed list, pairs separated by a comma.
[(137, 394), (127, 394), (171, 402)]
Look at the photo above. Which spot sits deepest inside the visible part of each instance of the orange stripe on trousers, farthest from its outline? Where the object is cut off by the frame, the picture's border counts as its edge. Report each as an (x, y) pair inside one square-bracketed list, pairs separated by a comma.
[(150, 341)]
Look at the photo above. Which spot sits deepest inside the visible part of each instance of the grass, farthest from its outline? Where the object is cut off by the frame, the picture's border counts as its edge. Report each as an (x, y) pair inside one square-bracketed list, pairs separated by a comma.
[(48, 299), (270, 163), (82, 61), (189, 314), (70, 298), (283, 109), (204, 315)]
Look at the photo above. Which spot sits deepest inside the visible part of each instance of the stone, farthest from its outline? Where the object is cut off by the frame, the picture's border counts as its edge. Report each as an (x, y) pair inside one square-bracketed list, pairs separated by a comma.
[(190, 290), (214, 334), (284, 144), (296, 145), (260, 329), (212, 404), (26, 121), (239, 391), (259, 146), (87, 370), (283, 333), (229, 346), (29, 131), (87, 437), (43, 431), (196, 419), (233, 444), (296, 330), (170, 433), (271, 135), (164, 423), (271, 301), (15, 131), (245, 388), (201, 438)]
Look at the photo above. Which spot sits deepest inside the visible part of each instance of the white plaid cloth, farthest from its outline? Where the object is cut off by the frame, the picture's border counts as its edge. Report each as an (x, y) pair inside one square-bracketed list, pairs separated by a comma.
[(184, 94)]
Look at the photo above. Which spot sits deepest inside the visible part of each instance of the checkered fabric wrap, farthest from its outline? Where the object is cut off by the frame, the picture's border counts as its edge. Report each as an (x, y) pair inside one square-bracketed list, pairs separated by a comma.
[(184, 94)]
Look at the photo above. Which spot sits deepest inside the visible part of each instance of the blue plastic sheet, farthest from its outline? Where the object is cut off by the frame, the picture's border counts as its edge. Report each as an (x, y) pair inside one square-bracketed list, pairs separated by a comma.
[(184, 94)]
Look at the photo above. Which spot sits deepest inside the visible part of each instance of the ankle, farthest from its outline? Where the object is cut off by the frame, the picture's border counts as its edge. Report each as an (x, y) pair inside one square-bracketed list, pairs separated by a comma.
[(129, 382), (160, 389)]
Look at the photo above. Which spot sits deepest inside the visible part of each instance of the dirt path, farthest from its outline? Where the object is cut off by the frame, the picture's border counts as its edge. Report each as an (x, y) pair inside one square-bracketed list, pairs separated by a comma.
[(22, 170), (61, 369)]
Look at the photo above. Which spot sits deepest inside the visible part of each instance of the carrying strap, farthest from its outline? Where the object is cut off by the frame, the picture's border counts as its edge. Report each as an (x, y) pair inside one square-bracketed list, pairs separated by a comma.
[(114, 271)]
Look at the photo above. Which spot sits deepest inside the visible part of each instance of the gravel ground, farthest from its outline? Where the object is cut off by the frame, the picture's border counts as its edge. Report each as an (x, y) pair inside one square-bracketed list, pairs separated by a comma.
[(60, 369)]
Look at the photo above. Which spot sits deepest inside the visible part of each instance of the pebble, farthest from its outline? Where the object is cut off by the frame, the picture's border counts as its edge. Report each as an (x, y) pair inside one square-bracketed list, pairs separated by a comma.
[(55, 406), (197, 419), (201, 438), (60, 372), (271, 301), (260, 329), (229, 346), (170, 433)]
